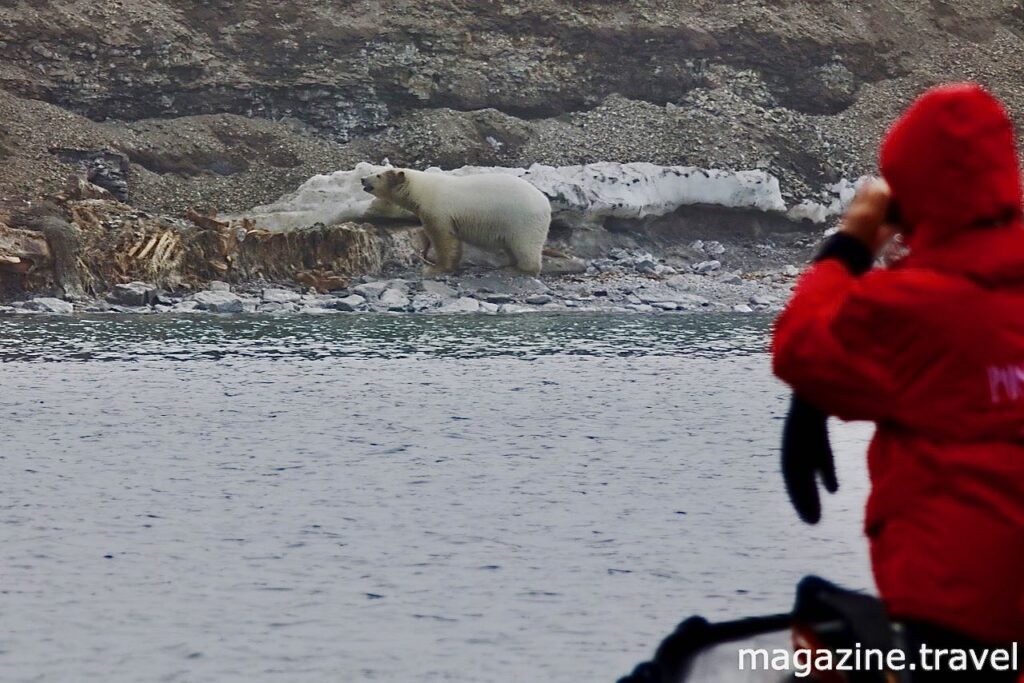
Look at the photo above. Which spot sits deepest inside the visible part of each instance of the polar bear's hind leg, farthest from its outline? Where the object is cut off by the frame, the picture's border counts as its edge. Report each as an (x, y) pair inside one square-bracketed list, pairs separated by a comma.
[(527, 259)]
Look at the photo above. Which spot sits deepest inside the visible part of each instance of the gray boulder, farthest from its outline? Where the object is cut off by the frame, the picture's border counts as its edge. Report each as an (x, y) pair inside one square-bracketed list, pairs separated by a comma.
[(219, 302), (280, 296), (371, 290), (563, 266), (48, 304), (350, 303), (439, 289), (705, 267), (133, 294), (462, 305), (648, 266), (394, 299), (732, 279)]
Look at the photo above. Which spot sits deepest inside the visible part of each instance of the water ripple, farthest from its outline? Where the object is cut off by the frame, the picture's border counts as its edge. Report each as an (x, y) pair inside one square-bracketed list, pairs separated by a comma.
[(187, 338)]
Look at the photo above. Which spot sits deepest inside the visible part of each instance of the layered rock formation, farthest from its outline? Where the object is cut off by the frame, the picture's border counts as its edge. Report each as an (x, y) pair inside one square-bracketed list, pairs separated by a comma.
[(218, 106)]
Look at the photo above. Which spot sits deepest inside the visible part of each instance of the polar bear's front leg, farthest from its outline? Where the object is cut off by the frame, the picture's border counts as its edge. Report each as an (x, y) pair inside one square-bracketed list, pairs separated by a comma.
[(447, 247)]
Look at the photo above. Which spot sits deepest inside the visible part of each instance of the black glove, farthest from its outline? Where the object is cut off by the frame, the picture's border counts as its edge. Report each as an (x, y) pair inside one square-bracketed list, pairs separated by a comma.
[(806, 453)]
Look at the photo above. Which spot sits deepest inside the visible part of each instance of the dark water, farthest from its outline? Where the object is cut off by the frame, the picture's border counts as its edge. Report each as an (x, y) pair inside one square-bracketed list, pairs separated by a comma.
[(392, 498), (192, 338)]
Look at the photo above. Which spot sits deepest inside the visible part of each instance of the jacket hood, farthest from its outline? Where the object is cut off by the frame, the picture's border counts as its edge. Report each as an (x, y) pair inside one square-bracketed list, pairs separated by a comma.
[(951, 161)]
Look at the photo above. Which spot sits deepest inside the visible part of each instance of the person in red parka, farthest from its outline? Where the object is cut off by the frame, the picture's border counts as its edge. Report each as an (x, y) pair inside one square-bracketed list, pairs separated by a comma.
[(931, 349)]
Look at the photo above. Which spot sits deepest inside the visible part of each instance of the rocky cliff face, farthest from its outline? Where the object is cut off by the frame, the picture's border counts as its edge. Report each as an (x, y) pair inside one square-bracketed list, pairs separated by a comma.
[(222, 106), (800, 88)]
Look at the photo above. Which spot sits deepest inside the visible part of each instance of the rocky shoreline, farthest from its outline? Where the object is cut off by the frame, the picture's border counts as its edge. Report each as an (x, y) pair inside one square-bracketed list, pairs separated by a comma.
[(129, 131), (625, 282)]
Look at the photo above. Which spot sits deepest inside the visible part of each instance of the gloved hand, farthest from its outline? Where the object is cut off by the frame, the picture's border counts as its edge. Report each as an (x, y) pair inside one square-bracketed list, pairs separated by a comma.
[(806, 454)]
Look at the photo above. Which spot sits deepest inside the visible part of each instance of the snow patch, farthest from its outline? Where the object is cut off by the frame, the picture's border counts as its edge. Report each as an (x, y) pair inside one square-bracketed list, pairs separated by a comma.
[(633, 190), (819, 213)]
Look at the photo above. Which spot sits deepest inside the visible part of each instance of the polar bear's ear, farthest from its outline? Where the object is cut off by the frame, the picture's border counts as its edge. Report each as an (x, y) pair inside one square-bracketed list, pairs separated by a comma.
[(400, 176)]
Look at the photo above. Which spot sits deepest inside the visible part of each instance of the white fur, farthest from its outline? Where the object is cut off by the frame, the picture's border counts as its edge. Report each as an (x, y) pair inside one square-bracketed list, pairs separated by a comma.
[(493, 211)]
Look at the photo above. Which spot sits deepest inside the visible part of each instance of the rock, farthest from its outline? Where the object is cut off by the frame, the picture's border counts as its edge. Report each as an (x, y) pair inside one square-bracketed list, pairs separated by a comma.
[(498, 298), (694, 301), (649, 266), (761, 300), (678, 282), (186, 306), (462, 305), (605, 266), (394, 299), (425, 302), (219, 302), (666, 305), (278, 307), (539, 299), (114, 308), (742, 308), (164, 299), (489, 308), (732, 279), (791, 271), (513, 309), (705, 267), (280, 296), (133, 294), (218, 286), (486, 284), (641, 308), (564, 266), (713, 248), (660, 294), (400, 284), (353, 302), (371, 290), (48, 304), (439, 289)]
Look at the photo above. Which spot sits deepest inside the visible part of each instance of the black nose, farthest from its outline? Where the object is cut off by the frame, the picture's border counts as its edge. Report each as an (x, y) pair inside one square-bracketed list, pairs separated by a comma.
[(367, 186)]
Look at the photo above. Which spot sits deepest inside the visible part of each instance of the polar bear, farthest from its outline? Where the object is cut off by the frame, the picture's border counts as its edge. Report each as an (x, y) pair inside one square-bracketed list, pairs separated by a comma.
[(498, 212)]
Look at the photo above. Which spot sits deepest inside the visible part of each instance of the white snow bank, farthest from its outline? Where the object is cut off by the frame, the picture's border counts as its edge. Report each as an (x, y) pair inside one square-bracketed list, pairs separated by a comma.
[(631, 190), (817, 212)]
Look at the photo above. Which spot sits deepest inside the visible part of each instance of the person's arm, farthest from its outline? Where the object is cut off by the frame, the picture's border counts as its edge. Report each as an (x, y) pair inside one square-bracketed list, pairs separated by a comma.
[(828, 344)]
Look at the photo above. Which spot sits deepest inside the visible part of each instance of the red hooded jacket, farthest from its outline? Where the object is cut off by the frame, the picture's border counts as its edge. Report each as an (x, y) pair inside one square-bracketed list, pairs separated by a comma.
[(932, 351)]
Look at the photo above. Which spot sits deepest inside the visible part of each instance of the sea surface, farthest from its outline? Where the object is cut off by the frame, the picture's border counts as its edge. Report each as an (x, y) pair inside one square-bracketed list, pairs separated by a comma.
[(393, 498)]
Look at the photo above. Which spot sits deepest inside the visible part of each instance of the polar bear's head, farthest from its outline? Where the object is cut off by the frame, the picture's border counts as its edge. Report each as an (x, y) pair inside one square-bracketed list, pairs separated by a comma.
[(385, 185)]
